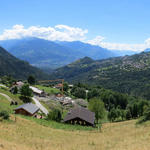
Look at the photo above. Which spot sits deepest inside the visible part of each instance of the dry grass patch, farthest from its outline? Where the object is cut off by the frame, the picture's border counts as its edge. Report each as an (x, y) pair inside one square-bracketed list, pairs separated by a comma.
[(26, 135)]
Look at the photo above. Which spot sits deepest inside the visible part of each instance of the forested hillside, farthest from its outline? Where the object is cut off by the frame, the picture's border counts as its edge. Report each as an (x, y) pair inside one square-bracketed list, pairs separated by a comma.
[(10, 65), (128, 74)]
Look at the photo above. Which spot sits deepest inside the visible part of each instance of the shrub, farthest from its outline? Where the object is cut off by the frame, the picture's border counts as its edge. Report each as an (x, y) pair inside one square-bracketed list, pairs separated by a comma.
[(4, 115), (55, 115), (146, 116)]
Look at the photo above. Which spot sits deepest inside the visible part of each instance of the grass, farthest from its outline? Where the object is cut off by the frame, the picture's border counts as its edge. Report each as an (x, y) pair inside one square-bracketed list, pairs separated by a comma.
[(27, 134), (48, 90), (57, 125), (5, 105), (12, 96)]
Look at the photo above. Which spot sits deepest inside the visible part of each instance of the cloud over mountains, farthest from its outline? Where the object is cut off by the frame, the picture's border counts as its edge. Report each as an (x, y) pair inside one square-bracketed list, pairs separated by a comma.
[(67, 33), (59, 32)]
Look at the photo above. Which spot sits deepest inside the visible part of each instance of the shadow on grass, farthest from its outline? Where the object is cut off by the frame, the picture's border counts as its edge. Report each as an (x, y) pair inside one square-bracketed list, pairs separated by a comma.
[(57, 125)]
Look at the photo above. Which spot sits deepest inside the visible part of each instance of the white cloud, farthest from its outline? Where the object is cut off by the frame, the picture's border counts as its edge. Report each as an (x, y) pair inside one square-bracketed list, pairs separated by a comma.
[(59, 32), (67, 33), (99, 40)]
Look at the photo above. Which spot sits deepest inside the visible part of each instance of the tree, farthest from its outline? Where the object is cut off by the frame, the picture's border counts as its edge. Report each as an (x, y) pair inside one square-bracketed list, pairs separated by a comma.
[(55, 115), (31, 80), (66, 87), (93, 93), (8, 80), (78, 92), (15, 90), (97, 106), (141, 106), (128, 114), (26, 93), (112, 115)]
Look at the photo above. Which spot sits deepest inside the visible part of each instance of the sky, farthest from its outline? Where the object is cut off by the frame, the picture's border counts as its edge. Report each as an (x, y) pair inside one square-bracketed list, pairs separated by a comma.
[(112, 24)]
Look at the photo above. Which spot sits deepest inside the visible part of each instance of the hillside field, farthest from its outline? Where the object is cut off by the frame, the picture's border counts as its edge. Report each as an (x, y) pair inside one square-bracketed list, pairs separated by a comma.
[(28, 135)]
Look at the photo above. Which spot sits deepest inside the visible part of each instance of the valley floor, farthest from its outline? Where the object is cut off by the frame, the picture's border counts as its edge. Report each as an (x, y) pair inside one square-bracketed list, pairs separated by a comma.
[(28, 135)]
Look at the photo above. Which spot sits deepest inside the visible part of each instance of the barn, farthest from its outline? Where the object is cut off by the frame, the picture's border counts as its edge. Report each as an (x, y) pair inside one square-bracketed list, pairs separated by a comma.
[(81, 116), (28, 109)]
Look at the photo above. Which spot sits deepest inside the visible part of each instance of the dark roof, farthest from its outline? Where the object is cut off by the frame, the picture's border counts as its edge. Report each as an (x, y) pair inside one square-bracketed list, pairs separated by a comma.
[(82, 113), (29, 107)]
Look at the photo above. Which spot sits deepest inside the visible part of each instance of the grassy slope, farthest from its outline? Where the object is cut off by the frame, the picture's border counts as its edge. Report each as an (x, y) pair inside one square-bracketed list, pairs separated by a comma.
[(48, 89), (27, 135), (35, 134), (12, 96), (5, 104)]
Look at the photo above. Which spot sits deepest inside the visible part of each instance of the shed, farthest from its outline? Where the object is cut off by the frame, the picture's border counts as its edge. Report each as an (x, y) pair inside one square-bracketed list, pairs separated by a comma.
[(81, 116), (28, 109)]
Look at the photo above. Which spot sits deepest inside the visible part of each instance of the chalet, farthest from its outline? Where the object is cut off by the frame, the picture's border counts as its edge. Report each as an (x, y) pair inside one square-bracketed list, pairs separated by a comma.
[(81, 116), (28, 109), (38, 92), (17, 84)]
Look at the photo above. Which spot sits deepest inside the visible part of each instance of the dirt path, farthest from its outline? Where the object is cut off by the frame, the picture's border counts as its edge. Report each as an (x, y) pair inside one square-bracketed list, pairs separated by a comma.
[(42, 108), (8, 98)]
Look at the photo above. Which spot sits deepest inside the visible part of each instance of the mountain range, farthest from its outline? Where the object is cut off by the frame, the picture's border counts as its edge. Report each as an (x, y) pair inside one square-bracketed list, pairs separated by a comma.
[(10, 65), (53, 54), (128, 74)]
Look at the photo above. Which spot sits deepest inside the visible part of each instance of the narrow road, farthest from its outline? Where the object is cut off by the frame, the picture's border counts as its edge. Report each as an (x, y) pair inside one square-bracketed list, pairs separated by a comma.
[(38, 104), (8, 98)]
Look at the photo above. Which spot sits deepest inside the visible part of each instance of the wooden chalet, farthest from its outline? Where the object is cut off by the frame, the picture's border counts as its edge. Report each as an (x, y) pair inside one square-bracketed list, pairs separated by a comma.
[(28, 109), (81, 116)]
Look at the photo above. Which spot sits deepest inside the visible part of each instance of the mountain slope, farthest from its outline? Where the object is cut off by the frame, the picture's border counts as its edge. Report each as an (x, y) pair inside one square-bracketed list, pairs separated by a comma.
[(48, 54), (95, 52), (128, 74), (10, 65), (40, 53)]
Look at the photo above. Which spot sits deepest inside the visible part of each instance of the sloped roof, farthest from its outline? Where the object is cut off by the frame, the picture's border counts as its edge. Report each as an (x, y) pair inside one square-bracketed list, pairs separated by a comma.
[(35, 90), (19, 83), (29, 107), (82, 113)]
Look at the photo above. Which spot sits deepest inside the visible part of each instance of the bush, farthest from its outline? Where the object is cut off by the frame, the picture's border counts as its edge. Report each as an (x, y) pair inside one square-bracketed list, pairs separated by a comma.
[(55, 115), (25, 99), (146, 116), (4, 115)]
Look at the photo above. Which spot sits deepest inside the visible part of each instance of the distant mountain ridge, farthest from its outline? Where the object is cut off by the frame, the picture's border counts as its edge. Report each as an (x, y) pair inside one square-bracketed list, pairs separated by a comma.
[(49, 54), (10, 65), (128, 74)]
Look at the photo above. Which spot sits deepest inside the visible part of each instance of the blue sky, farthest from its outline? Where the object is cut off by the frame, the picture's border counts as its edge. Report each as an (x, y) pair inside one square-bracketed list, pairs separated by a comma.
[(118, 21)]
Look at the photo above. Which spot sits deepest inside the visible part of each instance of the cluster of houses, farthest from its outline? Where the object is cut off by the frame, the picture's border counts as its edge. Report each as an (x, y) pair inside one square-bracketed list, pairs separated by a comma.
[(36, 91), (76, 115)]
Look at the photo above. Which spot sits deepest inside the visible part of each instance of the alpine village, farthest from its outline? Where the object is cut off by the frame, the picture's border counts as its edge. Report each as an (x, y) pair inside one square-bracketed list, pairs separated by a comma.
[(59, 90)]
